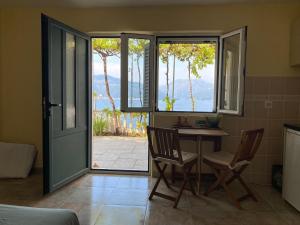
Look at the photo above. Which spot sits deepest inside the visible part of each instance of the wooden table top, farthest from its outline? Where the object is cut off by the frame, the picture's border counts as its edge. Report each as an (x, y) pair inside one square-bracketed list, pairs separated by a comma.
[(203, 132)]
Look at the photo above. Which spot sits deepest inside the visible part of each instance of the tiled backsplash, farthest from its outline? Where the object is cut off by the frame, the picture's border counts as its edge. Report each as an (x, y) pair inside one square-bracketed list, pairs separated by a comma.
[(269, 103)]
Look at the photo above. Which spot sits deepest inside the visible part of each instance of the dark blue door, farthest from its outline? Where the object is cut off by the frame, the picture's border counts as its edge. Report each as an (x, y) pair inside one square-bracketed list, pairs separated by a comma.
[(65, 103)]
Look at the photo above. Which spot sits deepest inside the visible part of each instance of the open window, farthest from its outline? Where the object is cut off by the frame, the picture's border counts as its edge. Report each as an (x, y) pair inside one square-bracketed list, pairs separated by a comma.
[(137, 68), (232, 72), (186, 79), (193, 74)]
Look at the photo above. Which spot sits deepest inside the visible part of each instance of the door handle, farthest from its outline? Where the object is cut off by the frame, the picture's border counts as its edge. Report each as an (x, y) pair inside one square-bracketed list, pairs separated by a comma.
[(54, 105)]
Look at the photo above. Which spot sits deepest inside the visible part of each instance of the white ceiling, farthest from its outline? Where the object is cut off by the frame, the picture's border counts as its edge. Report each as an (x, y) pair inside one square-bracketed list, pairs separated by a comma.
[(100, 3)]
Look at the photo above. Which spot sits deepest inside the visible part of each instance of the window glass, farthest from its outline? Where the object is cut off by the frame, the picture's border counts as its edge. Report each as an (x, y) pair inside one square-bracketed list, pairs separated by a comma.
[(70, 82), (230, 73), (138, 72), (186, 75)]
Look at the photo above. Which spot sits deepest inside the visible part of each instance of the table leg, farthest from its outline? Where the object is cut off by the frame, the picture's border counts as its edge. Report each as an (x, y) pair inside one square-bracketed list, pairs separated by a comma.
[(199, 170), (217, 144)]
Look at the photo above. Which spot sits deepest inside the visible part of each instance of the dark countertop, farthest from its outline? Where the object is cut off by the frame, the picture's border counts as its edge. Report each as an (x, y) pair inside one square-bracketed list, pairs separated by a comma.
[(292, 126)]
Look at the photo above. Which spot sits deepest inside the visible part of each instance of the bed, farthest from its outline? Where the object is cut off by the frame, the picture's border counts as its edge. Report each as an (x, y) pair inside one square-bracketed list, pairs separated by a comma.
[(19, 215)]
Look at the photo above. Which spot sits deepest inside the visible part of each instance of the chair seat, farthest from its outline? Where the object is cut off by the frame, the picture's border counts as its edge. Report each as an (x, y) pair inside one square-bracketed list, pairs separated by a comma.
[(186, 158), (223, 158)]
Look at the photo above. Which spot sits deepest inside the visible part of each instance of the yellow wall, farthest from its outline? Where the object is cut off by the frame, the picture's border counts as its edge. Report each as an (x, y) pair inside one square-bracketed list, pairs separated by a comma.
[(20, 48)]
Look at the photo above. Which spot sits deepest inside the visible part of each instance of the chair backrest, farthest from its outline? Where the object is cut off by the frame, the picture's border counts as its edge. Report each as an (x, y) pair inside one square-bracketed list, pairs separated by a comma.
[(250, 141), (166, 142)]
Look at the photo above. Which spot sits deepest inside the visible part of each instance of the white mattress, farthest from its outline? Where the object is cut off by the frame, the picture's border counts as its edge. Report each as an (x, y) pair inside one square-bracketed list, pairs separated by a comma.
[(16, 160), (17, 215)]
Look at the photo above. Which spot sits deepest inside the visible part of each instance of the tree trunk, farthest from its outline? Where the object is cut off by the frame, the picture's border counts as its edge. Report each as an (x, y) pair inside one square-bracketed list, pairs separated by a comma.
[(173, 83), (139, 72), (167, 75), (131, 82), (190, 86), (112, 102)]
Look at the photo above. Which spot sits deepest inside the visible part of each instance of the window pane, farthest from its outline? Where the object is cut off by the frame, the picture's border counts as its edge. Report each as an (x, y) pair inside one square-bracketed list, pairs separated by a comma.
[(138, 72), (230, 73), (70, 81), (186, 75)]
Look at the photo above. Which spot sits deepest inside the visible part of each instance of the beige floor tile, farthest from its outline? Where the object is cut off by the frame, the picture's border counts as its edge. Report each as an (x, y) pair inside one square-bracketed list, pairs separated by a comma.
[(102, 181), (121, 215), (134, 182), (118, 200), (89, 213), (159, 213), (128, 197), (88, 195), (263, 218)]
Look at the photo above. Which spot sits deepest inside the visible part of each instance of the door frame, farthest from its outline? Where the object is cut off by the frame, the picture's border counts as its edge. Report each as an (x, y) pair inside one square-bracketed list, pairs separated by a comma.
[(45, 20), (111, 171)]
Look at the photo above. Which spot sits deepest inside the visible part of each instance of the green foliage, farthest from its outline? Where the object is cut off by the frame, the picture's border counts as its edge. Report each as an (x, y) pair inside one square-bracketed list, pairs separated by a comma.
[(198, 56), (106, 46), (169, 103), (107, 111), (94, 94), (165, 50), (137, 46), (99, 125)]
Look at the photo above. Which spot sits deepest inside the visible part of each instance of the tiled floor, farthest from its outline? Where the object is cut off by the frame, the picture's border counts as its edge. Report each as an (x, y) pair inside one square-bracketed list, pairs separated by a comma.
[(120, 153), (123, 200)]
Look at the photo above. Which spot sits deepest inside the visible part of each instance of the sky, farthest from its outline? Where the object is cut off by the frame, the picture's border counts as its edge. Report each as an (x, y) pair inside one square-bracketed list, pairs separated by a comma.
[(207, 74)]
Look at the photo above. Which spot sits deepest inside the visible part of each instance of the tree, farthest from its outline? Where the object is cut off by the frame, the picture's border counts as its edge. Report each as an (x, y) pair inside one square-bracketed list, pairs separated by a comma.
[(107, 47), (94, 100), (164, 53), (197, 56), (136, 51), (173, 83)]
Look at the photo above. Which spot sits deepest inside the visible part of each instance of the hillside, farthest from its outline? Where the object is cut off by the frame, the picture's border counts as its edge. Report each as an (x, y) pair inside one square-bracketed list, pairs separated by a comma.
[(200, 88)]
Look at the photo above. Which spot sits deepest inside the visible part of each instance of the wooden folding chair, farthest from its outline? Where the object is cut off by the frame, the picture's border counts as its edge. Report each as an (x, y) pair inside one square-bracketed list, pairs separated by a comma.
[(168, 152), (228, 167)]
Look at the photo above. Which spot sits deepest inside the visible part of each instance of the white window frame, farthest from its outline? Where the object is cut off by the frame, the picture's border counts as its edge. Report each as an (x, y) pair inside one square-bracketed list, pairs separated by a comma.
[(241, 72), (187, 39), (124, 72), (153, 95)]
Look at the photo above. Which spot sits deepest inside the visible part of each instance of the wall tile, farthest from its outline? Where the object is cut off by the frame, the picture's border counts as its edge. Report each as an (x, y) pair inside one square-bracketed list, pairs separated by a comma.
[(229, 124), (276, 112), (292, 86), (248, 109), (249, 85), (260, 111), (259, 164), (276, 128), (263, 148), (277, 86), (245, 124), (275, 146), (285, 96), (260, 178), (261, 85), (262, 123), (291, 110)]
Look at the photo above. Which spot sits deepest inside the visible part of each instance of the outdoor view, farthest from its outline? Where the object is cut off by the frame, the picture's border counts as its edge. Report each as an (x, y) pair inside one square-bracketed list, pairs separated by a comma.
[(119, 141), (186, 79), (186, 76)]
